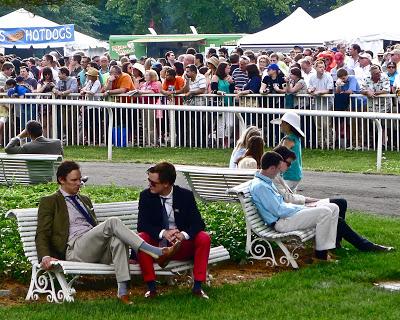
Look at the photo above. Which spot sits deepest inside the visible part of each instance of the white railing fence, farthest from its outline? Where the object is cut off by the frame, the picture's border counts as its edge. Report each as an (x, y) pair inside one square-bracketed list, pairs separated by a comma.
[(86, 123), (232, 120)]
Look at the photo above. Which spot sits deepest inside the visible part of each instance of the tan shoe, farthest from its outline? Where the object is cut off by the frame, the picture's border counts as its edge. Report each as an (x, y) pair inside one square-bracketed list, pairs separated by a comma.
[(167, 254), (125, 299)]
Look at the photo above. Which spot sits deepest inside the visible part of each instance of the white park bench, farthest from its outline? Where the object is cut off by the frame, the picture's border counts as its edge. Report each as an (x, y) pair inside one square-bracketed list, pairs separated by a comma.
[(211, 183), (54, 283), (28, 168), (260, 236)]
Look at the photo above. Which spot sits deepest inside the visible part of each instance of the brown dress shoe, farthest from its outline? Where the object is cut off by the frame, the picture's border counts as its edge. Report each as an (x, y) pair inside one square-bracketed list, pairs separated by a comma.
[(168, 254), (150, 294), (125, 299), (200, 294)]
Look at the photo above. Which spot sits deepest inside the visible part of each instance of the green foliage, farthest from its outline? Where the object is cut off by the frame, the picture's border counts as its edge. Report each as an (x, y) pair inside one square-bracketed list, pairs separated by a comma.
[(13, 263), (227, 227), (208, 16), (100, 18)]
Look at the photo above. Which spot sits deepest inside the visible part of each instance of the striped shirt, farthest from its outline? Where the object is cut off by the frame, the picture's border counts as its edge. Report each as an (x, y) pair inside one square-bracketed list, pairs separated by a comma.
[(240, 77)]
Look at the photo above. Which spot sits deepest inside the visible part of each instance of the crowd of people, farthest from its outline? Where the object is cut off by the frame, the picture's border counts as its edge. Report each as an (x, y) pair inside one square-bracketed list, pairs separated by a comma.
[(342, 70)]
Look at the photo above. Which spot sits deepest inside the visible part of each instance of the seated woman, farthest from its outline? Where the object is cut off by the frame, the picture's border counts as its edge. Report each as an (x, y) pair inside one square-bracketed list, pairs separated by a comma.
[(252, 157), (242, 144)]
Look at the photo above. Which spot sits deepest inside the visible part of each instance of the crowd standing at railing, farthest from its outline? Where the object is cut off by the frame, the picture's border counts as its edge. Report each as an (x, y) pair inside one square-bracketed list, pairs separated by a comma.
[(319, 79)]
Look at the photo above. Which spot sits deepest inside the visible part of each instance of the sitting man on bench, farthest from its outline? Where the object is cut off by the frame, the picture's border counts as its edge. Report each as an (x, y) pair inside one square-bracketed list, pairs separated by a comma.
[(168, 213), (344, 231), (39, 144), (67, 229), (286, 217)]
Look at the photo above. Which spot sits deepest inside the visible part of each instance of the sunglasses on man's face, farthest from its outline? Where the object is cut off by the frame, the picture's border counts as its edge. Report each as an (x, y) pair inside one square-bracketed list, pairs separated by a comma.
[(390, 67)]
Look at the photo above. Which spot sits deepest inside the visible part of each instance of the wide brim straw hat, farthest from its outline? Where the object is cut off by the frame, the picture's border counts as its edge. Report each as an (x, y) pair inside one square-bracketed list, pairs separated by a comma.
[(291, 118), (214, 61), (139, 67), (92, 72)]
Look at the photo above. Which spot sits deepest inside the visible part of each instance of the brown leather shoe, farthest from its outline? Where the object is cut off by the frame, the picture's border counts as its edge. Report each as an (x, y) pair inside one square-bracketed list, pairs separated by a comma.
[(168, 254), (150, 294), (125, 299), (200, 294)]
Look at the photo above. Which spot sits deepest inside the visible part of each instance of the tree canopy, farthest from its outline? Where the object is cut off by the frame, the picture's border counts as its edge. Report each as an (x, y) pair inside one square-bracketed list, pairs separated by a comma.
[(100, 18)]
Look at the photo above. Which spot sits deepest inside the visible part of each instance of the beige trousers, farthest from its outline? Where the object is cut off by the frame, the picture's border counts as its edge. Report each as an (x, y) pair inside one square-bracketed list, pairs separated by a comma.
[(106, 243), (324, 219)]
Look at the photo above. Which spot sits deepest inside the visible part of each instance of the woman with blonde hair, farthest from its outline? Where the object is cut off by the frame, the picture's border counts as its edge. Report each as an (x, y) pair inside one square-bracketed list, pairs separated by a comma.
[(242, 144), (252, 157), (151, 85)]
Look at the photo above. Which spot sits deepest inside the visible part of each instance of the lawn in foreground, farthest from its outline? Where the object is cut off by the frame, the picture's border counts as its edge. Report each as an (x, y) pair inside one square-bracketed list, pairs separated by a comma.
[(318, 160)]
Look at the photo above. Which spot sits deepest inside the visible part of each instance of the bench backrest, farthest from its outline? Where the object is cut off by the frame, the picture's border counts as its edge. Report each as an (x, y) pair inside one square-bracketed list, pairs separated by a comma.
[(27, 221), (253, 218), (211, 183), (28, 168)]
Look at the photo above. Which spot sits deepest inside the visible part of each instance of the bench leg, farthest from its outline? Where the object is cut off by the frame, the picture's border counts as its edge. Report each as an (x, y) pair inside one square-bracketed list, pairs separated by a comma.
[(288, 257), (46, 282), (258, 249)]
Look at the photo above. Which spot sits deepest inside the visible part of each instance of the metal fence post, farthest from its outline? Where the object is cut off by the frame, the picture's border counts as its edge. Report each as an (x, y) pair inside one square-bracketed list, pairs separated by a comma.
[(54, 110), (379, 145), (110, 132), (172, 130)]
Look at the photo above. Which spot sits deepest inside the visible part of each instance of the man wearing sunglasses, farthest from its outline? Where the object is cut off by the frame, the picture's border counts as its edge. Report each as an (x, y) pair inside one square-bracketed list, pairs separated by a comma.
[(344, 231), (168, 213), (286, 217)]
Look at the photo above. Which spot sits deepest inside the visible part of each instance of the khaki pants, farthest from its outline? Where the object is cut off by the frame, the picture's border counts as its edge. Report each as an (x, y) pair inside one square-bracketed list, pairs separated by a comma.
[(106, 243), (323, 219)]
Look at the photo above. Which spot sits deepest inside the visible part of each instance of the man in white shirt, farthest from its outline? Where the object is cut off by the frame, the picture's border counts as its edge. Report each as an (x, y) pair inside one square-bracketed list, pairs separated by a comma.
[(307, 70), (352, 61), (321, 84), (195, 85), (362, 71)]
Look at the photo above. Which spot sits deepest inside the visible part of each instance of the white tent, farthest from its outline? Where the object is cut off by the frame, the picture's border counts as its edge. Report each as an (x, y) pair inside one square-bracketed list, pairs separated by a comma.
[(297, 28), (365, 22), (22, 18)]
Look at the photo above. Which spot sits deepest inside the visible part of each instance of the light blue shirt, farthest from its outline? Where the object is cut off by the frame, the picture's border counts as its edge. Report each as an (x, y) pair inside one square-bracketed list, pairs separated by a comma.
[(269, 202)]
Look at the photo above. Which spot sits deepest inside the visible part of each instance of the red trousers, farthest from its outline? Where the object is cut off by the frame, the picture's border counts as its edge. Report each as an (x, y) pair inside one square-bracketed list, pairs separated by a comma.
[(197, 248)]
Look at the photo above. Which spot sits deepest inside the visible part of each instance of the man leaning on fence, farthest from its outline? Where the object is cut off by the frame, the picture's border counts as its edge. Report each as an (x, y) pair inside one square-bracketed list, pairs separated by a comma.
[(68, 229), (286, 217), (38, 143)]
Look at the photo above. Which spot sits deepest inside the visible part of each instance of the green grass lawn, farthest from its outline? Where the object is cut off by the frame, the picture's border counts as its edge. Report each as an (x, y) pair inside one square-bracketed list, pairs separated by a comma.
[(318, 160), (325, 291)]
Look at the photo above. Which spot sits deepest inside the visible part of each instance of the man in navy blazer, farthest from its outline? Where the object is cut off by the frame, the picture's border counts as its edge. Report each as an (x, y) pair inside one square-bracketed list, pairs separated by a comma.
[(168, 213)]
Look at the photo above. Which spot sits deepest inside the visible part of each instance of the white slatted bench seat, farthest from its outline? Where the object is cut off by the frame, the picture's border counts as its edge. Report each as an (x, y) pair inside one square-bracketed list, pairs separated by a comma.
[(54, 283), (259, 236), (211, 183), (28, 168)]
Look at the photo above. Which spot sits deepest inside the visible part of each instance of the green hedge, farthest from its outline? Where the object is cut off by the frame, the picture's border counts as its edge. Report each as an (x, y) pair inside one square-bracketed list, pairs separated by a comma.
[(224, 222)]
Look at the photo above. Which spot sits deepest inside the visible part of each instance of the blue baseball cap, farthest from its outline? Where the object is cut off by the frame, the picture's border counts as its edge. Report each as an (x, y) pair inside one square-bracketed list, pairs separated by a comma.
[(273, 66)]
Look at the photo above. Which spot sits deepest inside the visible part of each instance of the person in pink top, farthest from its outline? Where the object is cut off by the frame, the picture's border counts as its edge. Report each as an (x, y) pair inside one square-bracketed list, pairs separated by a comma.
[(151, 85)]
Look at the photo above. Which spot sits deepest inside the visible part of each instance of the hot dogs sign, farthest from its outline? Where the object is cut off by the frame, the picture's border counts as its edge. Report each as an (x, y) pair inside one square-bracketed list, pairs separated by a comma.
[(63, 33)]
